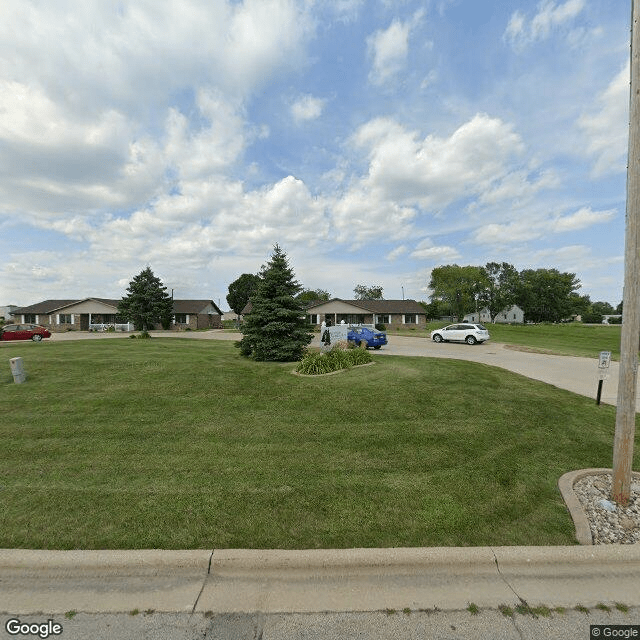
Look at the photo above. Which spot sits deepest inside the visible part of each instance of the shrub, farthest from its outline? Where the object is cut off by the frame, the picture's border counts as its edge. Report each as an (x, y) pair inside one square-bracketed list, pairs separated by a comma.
[(592, 318), (381, 327), (314, 363), (615, 320)]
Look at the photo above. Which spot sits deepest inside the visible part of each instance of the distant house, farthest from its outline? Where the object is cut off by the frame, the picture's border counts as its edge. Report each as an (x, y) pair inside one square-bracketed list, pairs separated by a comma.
[(98, 314), (391, 313), (6, 312), (513, 315)]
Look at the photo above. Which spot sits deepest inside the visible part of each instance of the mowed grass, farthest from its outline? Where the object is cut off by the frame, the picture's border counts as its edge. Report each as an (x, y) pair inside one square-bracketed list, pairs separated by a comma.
[(177, 443), (571, 339)]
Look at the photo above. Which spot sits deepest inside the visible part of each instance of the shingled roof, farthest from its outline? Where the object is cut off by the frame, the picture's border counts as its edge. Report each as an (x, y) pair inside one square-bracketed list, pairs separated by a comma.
[(377, 306), (51, 306), (380, 307)]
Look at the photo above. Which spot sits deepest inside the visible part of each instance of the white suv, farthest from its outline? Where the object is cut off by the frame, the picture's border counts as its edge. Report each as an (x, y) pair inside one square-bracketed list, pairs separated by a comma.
[(463, 332)]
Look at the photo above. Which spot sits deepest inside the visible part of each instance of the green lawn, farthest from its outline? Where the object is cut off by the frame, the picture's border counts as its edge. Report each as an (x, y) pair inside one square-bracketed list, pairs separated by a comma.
[(572, 339), (177, 443)]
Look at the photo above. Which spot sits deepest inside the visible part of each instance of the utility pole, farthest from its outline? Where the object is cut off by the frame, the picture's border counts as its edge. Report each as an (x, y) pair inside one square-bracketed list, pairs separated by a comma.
[(629, 343)]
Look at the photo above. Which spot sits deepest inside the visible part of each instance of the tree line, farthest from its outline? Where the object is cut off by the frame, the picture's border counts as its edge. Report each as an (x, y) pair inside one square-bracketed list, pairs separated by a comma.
[(545, 295)]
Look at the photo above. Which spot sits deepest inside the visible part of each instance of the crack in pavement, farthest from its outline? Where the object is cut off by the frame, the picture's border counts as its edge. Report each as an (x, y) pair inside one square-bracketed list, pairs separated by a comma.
[(515, 593), (204, 582)]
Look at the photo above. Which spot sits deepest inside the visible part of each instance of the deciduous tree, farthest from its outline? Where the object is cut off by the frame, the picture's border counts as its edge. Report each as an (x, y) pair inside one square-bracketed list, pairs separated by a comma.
[(501, 287), (312, 295), (544, 294), (240, 291), (458, 287), (364, 292)]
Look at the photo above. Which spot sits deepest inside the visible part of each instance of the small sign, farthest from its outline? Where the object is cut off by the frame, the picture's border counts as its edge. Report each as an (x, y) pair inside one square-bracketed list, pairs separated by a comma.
[(604, 360), (339, 332)]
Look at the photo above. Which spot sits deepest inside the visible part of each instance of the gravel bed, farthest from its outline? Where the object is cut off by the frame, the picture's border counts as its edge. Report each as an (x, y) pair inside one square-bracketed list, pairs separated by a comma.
[(609, 522)]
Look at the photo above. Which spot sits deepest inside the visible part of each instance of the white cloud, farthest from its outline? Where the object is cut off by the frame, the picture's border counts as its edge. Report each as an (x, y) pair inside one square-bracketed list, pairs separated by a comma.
[(179, 230), (394, 254), (550, 16), (434, 171), (519, 186), (307, 108), (516, 27), (607, 128), (93, 118), (582, 219), (407, 174), (532, 228), (148, 48), (425, 250), (389, 49)]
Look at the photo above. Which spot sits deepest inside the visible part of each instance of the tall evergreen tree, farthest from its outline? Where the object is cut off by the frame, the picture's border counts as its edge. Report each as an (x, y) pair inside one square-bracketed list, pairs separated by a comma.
[(276, 328), (147, 302)]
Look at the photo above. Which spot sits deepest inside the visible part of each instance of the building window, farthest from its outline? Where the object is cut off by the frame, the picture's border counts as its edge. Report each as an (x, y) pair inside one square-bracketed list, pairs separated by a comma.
[(65, 318), (31, 317), (409, 318), (313, 318), (181, 318), (383, 319)]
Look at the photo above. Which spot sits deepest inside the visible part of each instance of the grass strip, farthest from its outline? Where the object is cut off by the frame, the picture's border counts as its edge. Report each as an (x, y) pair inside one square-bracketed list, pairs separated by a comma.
[(172, 443)]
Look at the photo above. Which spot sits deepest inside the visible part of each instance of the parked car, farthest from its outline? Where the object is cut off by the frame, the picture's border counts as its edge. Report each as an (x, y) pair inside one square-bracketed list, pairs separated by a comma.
[(24, 332), (373, 338), (469, 333)]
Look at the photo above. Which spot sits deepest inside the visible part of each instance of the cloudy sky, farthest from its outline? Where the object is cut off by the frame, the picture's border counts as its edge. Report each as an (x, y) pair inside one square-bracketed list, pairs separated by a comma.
[(372, 139)]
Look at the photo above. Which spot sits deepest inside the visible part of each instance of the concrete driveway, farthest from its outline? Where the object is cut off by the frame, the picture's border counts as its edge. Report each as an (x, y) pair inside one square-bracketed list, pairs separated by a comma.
[(579, 375)]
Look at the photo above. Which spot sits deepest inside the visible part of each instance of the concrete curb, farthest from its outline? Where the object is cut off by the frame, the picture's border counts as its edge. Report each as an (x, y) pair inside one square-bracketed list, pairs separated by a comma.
[(78, 562), (282, 581), (580, 521)]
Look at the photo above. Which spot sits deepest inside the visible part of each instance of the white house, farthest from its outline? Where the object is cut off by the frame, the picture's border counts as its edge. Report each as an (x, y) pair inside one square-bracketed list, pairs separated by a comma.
[(513, 315)]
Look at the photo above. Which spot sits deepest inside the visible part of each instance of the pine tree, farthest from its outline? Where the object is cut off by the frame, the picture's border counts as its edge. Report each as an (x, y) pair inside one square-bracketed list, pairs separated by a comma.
[(148, 303), (276, 329)]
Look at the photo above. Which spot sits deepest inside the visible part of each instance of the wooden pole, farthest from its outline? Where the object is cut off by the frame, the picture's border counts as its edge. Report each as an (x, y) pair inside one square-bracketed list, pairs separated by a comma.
[(629, 343)]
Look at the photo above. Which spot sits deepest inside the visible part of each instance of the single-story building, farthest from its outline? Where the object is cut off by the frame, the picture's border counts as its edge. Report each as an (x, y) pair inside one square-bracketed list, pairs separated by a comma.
[(513, 315), (391, 313), (99, 314), (6, 312)]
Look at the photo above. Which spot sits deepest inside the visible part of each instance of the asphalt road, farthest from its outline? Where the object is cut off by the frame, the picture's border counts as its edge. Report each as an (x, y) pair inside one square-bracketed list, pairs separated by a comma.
[(378, 625)]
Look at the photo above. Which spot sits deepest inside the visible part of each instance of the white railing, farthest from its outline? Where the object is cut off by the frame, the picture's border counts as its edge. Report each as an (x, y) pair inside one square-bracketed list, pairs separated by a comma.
[(116, 326)]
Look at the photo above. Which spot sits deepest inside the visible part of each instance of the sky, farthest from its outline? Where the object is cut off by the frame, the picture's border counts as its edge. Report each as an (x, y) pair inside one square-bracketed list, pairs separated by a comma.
[(373, 140)]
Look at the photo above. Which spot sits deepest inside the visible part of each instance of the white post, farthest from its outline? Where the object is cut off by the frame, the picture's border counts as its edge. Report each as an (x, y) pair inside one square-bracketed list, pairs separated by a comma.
[(17, 370)]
